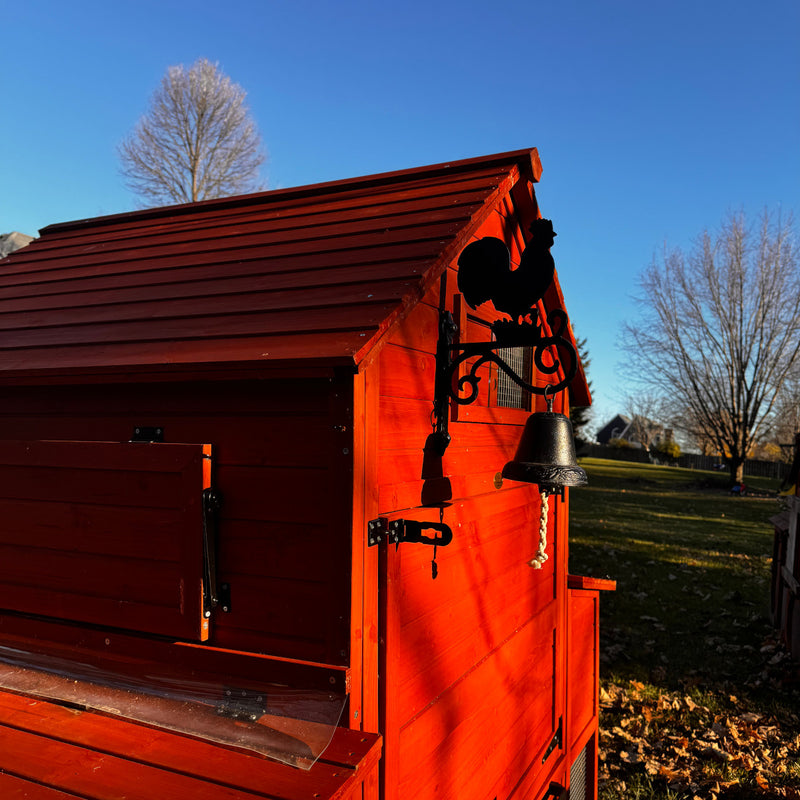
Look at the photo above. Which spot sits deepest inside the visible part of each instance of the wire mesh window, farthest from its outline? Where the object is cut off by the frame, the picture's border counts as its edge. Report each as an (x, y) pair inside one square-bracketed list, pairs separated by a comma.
[(578, 775), (510, 394)]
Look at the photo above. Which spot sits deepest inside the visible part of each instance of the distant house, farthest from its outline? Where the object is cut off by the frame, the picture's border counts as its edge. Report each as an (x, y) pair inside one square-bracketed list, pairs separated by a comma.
[(9, 242), (615, 429), (638, 431)]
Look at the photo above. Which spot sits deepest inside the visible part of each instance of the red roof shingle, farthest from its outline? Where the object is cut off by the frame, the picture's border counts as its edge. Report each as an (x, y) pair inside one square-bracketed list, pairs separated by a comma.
[(311, 273)]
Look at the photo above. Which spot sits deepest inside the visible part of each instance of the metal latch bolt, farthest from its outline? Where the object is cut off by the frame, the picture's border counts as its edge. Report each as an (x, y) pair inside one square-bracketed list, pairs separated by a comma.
[(396, 531)]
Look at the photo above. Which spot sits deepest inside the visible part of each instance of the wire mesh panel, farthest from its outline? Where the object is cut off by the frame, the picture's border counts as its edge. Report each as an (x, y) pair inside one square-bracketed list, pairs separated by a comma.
[(509, 394), (577, 776)]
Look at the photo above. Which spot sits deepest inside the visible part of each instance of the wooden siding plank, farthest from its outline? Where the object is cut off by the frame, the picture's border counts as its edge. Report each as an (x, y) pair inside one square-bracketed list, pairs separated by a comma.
[(350, 236), (347, 317), (274, 494), (582, 663), (283, 263), (224, 295), (89, 773), (12, 788), (336, 347), (201, 219), (288, 607), (189, 312), (447, 754), (100, 757), (136, 656), (275, 446), (79, 486), (43, 524), (181, 282), (277, 550), (250, 402), (477, 608), (314, 220), (405, 424)]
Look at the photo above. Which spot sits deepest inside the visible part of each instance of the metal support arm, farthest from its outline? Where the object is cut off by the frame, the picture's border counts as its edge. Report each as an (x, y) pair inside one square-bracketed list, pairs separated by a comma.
[(451, 354)]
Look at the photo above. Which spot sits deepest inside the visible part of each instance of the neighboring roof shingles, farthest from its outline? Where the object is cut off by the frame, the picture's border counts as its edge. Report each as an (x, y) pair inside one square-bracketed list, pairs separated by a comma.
[(315, 272)]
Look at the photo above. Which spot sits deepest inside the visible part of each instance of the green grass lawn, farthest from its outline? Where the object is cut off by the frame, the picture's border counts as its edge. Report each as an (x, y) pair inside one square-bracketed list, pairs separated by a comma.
[(688, 626)]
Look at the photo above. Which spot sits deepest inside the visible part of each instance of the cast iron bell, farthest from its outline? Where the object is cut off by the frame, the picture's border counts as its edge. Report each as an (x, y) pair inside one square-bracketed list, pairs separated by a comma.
[(546, 454)]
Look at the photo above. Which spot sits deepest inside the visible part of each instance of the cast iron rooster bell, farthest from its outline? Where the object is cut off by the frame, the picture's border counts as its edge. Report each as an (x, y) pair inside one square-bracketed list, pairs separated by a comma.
[(546, 454), (484, 272)]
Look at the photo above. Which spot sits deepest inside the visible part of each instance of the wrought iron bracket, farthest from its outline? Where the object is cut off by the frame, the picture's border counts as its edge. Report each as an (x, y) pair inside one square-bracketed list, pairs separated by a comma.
[(396, 531), (451, 354)]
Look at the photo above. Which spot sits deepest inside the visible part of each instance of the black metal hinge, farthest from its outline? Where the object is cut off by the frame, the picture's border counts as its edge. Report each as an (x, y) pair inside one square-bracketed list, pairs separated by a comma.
[(396, 531), (146, 433), (556, 741)]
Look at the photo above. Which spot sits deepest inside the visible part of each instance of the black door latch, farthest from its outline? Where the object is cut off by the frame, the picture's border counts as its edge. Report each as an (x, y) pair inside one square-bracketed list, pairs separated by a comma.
[(396, 531)]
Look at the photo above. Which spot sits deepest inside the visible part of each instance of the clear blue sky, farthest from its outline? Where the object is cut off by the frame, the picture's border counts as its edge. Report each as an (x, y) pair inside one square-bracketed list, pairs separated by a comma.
[(652, 119)]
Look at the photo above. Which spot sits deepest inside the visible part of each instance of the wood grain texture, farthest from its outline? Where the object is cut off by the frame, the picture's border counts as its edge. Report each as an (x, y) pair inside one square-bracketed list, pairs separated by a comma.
[(583, 663), (48, 748), (276, 445), (260, 278), (70, 549), (476, 659)]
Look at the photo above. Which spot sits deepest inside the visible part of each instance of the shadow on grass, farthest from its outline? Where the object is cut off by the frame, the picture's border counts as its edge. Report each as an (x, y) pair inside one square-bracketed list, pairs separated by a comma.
[(690, 617), (692, 565)]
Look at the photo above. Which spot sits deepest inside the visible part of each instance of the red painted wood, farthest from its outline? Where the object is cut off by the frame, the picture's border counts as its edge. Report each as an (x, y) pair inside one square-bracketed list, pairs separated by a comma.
[(483, 733), (275, 446), (230, 298), (86, 489), (371, 626), (50, 306), (582, 660), (466, 675), (469, 733), (101, 757), (418, 183), (591, 583), (13, 788), (133, 656)]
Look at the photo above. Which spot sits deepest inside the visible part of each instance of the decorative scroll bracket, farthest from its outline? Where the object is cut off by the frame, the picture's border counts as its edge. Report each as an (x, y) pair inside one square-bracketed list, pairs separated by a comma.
[(451, 354)]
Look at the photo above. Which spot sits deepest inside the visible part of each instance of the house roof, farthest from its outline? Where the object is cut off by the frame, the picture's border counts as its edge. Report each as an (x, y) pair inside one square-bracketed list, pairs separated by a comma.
[(9, 242), (315, 273), (616, 426)]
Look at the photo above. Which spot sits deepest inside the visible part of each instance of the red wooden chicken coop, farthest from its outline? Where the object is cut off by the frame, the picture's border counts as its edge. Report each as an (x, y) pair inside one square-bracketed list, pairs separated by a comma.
[(238, 559)]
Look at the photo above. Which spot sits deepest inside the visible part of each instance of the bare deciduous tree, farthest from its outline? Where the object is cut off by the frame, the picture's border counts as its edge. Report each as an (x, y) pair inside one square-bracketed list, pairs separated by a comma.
[(649, 416), (787, 413), (197, 140), (720, 331)]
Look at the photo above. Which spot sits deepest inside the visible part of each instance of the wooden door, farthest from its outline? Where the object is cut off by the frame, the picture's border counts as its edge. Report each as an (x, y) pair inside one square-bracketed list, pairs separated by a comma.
[(109, 534)]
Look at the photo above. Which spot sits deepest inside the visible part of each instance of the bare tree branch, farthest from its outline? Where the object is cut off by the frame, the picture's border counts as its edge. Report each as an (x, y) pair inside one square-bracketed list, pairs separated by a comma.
[(720, 332), (197, 141)]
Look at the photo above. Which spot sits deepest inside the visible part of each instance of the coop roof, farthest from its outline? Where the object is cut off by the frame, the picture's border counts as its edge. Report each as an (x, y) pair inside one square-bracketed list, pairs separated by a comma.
[(310, 274)]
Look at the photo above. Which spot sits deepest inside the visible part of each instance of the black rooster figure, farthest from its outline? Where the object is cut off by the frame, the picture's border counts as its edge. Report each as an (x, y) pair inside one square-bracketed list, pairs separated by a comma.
[(484, 272)]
